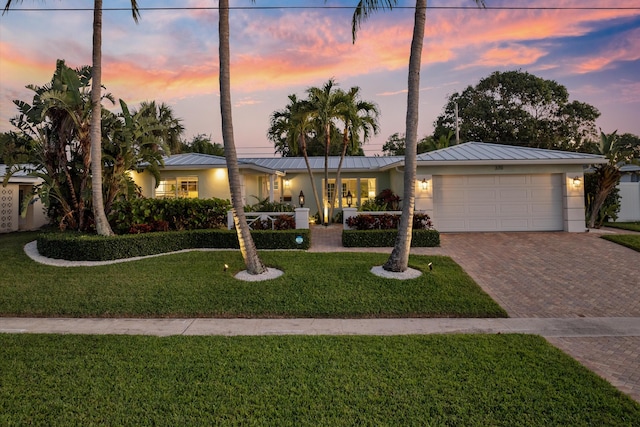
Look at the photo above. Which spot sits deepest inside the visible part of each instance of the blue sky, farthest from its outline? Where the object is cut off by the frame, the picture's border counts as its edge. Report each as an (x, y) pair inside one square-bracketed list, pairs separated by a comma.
[(171, 56)]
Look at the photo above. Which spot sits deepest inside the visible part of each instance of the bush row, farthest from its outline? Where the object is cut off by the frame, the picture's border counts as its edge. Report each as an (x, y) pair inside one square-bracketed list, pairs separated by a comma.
[(387, 222), (82, 247), (143, 215), (387, 238)]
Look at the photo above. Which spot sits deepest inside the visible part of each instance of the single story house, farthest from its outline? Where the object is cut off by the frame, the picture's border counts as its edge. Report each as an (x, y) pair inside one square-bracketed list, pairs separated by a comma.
[(11, 199), (468, 187)]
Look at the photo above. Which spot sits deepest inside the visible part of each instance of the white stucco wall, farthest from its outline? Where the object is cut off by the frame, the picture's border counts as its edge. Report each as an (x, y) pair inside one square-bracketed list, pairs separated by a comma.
[(629, 201)]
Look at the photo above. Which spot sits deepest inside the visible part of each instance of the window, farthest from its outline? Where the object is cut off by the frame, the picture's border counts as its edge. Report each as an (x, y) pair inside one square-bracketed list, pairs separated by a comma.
[(367, 191), (178, 187)]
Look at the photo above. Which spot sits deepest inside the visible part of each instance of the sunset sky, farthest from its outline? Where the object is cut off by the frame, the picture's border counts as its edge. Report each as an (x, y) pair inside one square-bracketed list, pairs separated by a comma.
[(281, 47)]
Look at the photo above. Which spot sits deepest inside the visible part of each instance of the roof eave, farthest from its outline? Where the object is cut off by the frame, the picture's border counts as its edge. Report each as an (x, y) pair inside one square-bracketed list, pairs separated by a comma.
[(495, 162)]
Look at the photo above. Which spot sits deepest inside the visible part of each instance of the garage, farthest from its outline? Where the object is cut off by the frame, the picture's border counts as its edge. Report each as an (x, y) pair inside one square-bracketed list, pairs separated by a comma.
[(527, 202)]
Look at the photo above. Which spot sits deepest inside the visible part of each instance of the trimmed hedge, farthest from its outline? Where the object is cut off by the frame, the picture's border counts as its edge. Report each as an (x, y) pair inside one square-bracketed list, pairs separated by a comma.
[(83, 247), (387, 238)]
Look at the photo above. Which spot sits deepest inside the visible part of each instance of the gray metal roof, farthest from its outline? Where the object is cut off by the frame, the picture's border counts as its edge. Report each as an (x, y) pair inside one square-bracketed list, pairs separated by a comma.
[(482, 152), (194, 159), (350, 163), (19, 176)]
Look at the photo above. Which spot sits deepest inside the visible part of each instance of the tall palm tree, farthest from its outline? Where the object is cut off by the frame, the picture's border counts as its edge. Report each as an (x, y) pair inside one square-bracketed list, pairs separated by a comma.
[(399, 259), (289, 130), (95, 133), (102, 224), (326, 104), (247, 246), (358, 117)]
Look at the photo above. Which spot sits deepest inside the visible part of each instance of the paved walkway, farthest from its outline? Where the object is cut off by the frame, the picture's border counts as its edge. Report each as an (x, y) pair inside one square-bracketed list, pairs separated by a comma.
[(579, 291)]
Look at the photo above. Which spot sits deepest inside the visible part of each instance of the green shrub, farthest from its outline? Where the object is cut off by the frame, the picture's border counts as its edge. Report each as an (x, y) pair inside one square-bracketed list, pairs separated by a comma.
[(144, 215), (387, 238), (83, 247)]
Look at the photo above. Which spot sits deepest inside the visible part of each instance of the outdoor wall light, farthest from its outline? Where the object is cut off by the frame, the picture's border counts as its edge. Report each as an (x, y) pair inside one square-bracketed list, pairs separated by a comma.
[(287, 183), (576, 181), (424, 184), (301, 199), (349, 198)]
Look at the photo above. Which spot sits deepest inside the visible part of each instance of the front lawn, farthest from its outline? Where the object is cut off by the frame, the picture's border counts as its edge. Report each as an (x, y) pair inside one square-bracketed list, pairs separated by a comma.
[(631, 226), (194, 284), (629, 240), (479, 380)]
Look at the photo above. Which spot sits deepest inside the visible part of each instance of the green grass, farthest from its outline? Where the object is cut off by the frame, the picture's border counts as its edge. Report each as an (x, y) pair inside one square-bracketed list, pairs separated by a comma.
[(488, 380), (631, 226), (629, 240), (194, 284)]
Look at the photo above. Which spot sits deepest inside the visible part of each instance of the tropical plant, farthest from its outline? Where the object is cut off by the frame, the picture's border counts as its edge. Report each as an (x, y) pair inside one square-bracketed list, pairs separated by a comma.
[(325, 106), (130, 139), (607, 175), (395, 144), (248, 249), (95, 132), (359, 118), (290, 129), (54, 132), (399, 259)]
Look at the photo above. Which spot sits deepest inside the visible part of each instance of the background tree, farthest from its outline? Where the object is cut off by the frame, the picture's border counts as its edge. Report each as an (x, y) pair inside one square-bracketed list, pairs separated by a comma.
[(395, 144), (516, 107), (247, 246), (131, 138), (607, 176), (201, 143)]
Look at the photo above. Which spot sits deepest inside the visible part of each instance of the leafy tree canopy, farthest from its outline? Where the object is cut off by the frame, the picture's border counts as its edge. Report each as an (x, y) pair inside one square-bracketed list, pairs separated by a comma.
[(395, 144), (515, 107), (201, 143)]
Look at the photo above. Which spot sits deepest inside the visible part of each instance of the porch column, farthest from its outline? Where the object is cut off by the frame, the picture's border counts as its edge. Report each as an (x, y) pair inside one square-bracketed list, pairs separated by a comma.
[(346, 214), (302, 218), (424, 194), (573, 202)]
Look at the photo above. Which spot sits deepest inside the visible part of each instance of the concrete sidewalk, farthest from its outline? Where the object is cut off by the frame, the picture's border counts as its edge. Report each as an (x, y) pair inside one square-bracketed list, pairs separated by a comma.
[(547, 327)]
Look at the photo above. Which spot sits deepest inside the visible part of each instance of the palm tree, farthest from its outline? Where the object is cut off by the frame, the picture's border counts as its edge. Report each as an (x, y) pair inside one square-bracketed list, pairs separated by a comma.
[(247, 246), (102, 224), (399, 259), (325, 106), (358, 117), (100, 218), (608, 174), (289, 130)]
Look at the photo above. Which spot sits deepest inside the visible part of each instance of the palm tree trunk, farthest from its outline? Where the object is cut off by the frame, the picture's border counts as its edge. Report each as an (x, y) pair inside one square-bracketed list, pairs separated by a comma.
[(247, 246), (345, 143), (327, 146), (303, 143), (102, 224), (399, 259)]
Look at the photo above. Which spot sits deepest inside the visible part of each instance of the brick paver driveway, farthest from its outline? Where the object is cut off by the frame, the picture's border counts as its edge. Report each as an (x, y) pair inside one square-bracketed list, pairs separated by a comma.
[(562, 275), (551, 274)]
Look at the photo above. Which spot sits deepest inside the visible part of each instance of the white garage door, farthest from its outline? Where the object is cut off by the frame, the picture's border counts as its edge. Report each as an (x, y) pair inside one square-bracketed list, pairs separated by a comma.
[(498, 202)]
